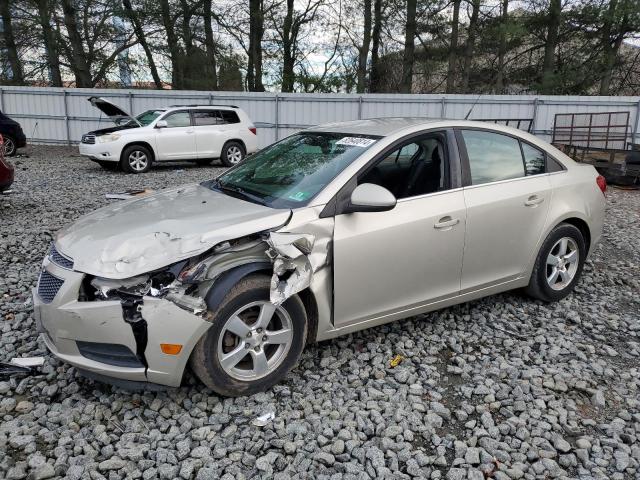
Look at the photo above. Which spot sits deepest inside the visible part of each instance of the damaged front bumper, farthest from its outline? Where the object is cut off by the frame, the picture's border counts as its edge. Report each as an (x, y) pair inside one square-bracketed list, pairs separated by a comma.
[(95, 336)]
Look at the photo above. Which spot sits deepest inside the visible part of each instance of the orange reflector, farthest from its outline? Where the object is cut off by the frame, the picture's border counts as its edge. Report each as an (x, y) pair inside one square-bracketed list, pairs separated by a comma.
[(170, 348)]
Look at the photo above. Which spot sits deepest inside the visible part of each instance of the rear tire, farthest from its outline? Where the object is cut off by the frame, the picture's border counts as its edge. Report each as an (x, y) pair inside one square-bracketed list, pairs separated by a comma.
[(233, 153), (136, 159), (9, 145), (108, 165), (559, 264), (239, 354)]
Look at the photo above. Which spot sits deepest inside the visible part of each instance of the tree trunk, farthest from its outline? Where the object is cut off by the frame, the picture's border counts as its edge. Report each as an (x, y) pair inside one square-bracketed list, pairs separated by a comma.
[(256, 32), (548, 67), (409, 48), (79, 63), (210, 44), (287, 49), (502, 46), (137, 28), (453, 47), (610, 49), (177, 71), (469, 45), (374, 75), (10, 43), (363, 51), (50, 44)]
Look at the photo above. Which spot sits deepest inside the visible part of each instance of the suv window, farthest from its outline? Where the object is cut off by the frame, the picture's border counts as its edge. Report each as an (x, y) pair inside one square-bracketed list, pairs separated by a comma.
[(206, 117), (229, 116), (492, 156), (178, 119), (415, 168)]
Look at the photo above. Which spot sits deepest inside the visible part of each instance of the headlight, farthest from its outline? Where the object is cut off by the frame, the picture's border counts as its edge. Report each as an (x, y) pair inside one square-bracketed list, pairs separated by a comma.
[(111, 137)]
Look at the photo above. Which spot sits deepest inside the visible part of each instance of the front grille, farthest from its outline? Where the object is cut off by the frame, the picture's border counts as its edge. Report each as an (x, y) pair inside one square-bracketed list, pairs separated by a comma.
[(56, 257), (89, 139), (48, 286)]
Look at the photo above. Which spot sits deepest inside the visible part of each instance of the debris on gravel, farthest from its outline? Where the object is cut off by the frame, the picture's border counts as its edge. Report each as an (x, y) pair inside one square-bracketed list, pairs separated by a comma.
[(504, 387)]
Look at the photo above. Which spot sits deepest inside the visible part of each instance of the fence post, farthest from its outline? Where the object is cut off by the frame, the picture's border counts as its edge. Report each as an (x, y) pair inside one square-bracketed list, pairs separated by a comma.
[(443, 107), (637, 127), (535, 115), (1, 99), (66, 117), (276, 119), (210, 98), (360, 107), (130, 95)]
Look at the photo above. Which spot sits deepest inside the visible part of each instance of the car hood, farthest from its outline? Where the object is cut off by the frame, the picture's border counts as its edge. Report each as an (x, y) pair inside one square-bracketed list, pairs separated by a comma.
[(136, 236), (104, 131), (111, 110)]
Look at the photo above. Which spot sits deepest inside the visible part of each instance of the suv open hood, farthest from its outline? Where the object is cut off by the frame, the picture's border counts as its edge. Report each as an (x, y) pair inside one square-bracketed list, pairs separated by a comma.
[(111, 110), (137, 236)]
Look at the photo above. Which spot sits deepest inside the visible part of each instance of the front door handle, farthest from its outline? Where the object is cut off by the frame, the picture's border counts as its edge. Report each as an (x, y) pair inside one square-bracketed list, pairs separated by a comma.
[(533, 201), (446, 223), (190, 131)]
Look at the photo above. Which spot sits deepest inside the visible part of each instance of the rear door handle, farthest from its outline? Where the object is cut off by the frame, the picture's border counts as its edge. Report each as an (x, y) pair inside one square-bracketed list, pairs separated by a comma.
[(533, 201), (446, 223)]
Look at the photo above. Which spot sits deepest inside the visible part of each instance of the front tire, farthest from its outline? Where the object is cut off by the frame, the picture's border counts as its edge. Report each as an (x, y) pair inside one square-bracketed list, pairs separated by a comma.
[(136, 159), (9, 145), (559, 264), (233, 153), (252, 343)]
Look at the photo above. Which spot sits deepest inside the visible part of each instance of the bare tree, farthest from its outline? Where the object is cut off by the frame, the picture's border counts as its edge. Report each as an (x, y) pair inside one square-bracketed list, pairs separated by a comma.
[(209, 42), (256, 33), (502, 46), (363, 51), (10, 43), (548, 67), (472, 32), (374, 75), (453, 47), (409, 48), (49, 39), (140, 34)]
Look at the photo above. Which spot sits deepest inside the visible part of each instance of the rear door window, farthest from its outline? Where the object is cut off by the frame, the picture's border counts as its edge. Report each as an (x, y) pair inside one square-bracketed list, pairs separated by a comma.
[(492, 156), (206, 117)]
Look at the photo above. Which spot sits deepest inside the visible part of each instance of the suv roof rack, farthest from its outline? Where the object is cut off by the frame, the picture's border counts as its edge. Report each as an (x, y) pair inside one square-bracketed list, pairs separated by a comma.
[(203, 105)]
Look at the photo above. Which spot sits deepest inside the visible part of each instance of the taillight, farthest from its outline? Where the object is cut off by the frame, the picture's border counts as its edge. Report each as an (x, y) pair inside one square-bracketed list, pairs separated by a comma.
[(253, 130), (602, 183)]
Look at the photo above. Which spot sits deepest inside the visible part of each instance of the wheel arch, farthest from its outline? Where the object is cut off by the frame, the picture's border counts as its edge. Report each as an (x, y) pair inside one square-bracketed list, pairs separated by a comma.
[(142, 143), (239, 140), (228, 279), (581, 225)]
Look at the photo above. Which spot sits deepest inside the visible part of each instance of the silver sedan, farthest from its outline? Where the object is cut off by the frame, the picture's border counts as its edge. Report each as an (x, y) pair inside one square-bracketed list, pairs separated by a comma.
[(335, 229)]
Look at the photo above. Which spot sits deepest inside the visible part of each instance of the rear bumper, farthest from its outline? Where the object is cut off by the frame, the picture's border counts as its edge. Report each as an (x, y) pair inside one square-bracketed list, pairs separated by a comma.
[(65, 321)]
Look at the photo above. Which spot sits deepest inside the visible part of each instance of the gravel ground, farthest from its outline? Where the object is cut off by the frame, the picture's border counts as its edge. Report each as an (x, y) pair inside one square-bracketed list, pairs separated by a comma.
[(502, 388)]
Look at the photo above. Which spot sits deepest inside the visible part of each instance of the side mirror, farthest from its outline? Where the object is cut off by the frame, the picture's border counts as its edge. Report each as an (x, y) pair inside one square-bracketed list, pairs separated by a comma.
[(161, 124), (369, 197)]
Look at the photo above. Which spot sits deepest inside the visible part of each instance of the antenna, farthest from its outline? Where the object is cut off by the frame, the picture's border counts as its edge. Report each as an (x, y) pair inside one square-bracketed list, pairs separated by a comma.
[(466, 117)]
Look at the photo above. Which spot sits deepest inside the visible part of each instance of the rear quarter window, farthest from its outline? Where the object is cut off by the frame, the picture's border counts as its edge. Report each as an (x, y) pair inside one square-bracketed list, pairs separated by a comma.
[(229, 116)]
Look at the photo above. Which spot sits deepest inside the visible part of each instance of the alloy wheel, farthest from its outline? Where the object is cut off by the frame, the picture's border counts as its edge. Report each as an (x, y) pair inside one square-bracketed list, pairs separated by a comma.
[(138, 160), (562, 263), (255, 340), (9, 146), (234, 154)]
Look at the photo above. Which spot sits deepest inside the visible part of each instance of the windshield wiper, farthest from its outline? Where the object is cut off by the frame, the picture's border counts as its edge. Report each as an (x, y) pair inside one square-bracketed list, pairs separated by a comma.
[(238, 192)]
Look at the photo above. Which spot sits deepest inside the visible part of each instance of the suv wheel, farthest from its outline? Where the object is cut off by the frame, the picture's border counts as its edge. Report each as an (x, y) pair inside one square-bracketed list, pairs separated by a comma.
[(136, 159), (558, 265), (9, 146), (232, 154), (252, 343)]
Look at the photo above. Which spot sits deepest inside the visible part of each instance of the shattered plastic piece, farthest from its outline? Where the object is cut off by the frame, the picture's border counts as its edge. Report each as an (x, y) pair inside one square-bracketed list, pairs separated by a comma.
[(292, 269), (8, 369), (264, 419), (139, 285), (188, 302), (28, 361), (127, 194), (395, 361)]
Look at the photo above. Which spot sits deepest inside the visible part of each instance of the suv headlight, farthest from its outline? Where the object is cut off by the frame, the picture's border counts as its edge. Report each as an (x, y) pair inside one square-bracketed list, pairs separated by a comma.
[(111, 137)]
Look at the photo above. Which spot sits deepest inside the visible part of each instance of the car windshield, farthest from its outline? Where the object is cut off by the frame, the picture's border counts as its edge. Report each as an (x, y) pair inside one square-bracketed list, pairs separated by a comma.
[(145, 118), (288, 174)]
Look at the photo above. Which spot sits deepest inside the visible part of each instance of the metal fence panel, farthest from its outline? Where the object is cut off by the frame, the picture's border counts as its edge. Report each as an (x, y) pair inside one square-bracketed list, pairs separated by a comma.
[(56, 115)]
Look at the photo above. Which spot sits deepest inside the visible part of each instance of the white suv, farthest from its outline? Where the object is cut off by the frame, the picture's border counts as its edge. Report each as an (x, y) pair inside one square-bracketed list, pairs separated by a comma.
[(180, 132)]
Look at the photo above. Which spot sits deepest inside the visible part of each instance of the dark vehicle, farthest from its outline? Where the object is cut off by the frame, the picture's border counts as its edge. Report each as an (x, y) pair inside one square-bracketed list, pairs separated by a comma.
[(14, 137), (6, 170)]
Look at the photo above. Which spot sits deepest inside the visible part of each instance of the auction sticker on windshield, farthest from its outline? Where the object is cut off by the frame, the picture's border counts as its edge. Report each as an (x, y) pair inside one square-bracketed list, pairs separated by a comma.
[(356, 142)]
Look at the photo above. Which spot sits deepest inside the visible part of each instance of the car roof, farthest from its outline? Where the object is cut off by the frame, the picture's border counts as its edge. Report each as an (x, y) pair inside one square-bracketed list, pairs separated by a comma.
[(229, 107), (384, 127)]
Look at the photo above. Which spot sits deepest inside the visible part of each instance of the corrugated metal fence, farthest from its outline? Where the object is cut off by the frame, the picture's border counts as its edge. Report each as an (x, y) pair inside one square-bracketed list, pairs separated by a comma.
[(61, 116)]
